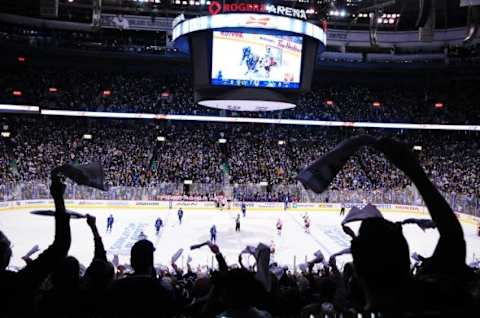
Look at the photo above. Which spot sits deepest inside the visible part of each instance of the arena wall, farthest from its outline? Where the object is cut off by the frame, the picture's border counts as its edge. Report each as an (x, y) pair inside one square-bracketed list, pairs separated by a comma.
[(252, 206)]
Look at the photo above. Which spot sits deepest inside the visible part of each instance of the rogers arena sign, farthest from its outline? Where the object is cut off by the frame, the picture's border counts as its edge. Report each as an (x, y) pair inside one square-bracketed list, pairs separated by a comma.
[(216, 7)]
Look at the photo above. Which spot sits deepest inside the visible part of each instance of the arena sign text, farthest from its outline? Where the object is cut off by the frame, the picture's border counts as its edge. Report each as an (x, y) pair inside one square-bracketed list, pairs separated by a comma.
[(216, 8)]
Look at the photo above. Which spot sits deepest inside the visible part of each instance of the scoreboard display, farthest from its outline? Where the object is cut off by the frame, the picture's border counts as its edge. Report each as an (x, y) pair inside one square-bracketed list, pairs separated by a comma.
[(250, 58), (256, 60)]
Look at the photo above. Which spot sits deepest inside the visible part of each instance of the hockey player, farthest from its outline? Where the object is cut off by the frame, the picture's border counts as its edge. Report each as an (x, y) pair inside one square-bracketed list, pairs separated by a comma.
[(142, 236), (279, 226), (268, 62), (247, 51), (213, 234), (342, 210), (244, 209), (285, 202), (306, 221), (180, 215), (237, 223), (110, 223), (252, 62), (158, 225), (220, 201)]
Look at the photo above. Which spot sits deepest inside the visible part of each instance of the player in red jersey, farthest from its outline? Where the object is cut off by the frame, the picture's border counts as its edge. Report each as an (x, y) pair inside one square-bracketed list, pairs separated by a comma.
[(306, 221), (279, 226)]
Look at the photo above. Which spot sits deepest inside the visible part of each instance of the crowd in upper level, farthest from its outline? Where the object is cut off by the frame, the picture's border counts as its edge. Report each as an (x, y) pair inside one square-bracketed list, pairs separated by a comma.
[(453, 102)]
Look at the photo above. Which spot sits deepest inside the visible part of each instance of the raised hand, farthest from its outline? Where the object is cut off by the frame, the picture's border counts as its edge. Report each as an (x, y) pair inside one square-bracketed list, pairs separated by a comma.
[(214, 248), (57, 188), (401, 156), (33, 250), (348, 231), (91, 221)]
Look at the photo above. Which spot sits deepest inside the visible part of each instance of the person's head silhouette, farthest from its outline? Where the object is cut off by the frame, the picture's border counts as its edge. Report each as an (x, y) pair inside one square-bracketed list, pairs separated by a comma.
[(381, 258), (5, 251), (141, 257)]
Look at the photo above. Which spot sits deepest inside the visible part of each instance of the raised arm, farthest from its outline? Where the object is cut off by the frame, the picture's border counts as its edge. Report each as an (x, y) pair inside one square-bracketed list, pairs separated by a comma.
[(99, 253), (450, 251), (36, 271), (222, 264), (32, 251)]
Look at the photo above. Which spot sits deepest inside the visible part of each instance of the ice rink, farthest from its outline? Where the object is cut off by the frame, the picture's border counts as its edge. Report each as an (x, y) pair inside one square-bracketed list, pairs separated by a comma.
[(25, 230)]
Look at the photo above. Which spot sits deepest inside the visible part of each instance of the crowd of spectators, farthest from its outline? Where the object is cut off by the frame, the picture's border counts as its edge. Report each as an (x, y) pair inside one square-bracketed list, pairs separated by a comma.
[(105, 40), (381, 281), (453, 102), (132, 155)]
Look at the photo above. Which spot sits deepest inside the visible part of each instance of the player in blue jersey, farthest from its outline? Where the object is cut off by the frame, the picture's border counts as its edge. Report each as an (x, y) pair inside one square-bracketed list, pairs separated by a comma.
[(180, 215), (246, 52), (252, 62), (220, 75), (213, 234), (158, 225), (110, 223), (244, 209), (286, 199)]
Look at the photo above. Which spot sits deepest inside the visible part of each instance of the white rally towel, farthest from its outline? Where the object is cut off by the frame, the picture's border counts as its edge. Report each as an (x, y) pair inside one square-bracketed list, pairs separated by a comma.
[(250, 249), (321, 172), (368, 212), (319, 257), (177, 255), (303, 267), (115, 260), (277, 271), (342, 252), (193, 247)]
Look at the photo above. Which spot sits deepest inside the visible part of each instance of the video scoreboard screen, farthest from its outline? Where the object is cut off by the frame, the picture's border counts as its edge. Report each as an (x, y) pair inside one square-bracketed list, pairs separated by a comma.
[(256, 60)]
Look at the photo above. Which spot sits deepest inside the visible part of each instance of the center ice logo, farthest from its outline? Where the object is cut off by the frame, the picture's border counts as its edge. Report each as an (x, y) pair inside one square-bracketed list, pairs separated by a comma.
[(129, 236)]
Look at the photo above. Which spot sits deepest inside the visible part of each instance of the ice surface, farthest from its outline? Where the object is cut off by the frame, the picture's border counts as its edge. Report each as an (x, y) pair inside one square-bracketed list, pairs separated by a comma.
[(25, 230)]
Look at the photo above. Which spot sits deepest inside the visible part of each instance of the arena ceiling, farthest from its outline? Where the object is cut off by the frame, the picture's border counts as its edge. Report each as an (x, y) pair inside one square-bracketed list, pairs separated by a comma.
[(347, 14)]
